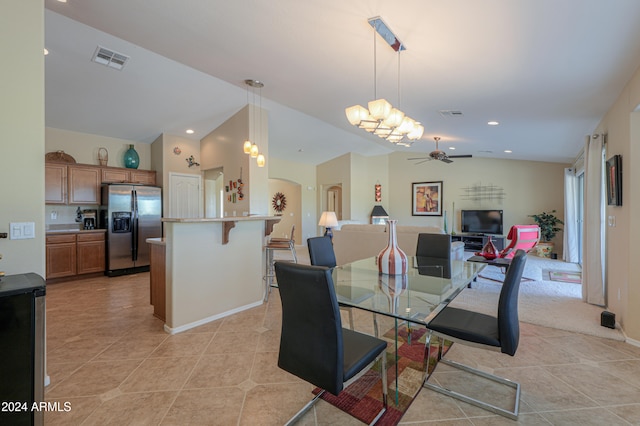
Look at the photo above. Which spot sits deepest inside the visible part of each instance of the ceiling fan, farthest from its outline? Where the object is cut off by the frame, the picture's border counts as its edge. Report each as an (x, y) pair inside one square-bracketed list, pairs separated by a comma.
[(438, 155)]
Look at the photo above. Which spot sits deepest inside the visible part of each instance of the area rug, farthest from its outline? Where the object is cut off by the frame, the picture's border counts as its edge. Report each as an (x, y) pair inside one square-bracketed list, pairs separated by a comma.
[(574, 277), (363, 398)]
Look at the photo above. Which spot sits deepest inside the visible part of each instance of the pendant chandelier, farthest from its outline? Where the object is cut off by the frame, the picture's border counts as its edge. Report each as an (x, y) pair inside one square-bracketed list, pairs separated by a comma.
[(381, 118), (249, 147)]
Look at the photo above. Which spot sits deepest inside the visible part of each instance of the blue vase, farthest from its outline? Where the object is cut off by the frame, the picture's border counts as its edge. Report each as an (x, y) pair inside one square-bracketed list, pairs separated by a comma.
[(131, 158)]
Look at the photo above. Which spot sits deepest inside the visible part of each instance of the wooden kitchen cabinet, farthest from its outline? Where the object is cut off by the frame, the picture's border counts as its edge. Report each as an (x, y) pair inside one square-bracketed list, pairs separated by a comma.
[(118, 175), (55, 183), (90, 253), (84, 184), (115, 175), (145, 177), (61, 256)]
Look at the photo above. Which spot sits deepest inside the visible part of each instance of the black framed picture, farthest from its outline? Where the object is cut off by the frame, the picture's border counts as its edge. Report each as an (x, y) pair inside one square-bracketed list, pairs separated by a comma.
[(427, 199), (614, 181)]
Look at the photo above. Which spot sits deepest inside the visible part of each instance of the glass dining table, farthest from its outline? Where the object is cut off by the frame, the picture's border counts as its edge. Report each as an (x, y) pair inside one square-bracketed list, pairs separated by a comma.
[(412, 299)]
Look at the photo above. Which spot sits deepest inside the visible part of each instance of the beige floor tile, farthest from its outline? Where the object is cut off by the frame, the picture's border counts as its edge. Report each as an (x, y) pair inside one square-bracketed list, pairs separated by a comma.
[(133, 409), (159, 374), (225, 342), (584, 417), (630, 413), (202, 407), (265, 369), (79, 410), (132, 347), (181, 345), (94, 378), (273, 405), (78, 350), (220, 370), (430, 405)]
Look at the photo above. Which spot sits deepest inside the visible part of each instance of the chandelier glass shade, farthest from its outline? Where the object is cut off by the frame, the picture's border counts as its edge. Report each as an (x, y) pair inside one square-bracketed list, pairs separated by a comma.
[(381, 118)]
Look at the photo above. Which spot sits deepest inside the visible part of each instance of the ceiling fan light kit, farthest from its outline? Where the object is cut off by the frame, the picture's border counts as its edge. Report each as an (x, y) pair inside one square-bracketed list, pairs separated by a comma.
[(381, 118)]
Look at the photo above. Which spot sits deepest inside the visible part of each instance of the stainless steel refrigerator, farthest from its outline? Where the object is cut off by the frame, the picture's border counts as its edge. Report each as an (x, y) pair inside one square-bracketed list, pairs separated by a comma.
[(130, 214)]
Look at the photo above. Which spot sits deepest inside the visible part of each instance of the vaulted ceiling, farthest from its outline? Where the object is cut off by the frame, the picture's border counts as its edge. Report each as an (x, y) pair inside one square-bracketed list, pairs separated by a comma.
[(546, 70)]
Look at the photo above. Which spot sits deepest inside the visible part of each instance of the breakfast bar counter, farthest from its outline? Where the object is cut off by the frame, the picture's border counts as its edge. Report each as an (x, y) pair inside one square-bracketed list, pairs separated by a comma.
[(213, 268)]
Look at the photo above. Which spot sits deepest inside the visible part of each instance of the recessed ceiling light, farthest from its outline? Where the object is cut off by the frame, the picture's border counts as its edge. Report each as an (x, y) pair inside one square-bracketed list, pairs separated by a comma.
[(508, 151), (493, 123), (452, 147), (62, 1), (46, 51), (190, 132)]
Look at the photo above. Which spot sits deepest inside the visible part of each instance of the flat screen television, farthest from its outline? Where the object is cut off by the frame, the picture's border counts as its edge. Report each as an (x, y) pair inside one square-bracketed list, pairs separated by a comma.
[(481, 221)]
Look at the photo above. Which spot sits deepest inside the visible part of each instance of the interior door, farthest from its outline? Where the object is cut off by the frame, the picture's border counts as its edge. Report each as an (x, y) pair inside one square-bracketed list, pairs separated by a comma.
[(184, 195)]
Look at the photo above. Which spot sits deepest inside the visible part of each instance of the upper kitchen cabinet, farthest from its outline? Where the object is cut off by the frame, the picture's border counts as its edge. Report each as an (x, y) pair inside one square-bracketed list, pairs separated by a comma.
[(84, 184), (55, 183), (145, 177), (120, 175)]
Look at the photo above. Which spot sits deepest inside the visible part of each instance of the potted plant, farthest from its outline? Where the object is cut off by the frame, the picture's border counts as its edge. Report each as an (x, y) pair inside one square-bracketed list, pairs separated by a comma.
[(548, 229)]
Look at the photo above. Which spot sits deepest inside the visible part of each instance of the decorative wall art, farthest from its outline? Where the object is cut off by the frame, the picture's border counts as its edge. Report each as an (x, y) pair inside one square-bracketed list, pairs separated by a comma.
[(479, 192), (614, 181), (378, 192), (279, 202), (426, 198), (192, 161)]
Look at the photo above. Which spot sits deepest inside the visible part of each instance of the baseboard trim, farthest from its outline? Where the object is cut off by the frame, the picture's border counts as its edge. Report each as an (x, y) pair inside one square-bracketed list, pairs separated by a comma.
[(189, 326)]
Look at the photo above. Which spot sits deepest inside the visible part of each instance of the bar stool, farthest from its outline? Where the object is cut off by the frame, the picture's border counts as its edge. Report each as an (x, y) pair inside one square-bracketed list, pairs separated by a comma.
[(269, 249)]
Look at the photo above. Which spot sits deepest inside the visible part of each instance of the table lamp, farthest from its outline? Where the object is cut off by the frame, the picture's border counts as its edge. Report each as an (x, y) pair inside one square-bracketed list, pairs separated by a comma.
[(328, 220)]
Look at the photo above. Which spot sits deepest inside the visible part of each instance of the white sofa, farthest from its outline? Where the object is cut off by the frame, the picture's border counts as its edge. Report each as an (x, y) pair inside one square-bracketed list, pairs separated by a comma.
[(355, 242)]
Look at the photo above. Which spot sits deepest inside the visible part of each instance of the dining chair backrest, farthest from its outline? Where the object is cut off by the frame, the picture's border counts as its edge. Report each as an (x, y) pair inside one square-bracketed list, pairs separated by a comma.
[(321, 251), (434, 245), (508, 322), (311, 345)]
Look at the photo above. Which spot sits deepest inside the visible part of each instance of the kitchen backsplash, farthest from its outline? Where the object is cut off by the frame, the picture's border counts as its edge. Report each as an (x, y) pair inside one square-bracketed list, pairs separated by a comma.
[(59, 215)]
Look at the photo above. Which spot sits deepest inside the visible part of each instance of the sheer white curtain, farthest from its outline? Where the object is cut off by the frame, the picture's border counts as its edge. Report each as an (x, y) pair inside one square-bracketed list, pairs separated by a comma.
[(593, 267), (570, 242)]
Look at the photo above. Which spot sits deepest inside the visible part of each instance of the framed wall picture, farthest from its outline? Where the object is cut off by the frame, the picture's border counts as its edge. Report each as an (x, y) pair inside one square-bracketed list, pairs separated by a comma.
[(614, 181), (426, 198)]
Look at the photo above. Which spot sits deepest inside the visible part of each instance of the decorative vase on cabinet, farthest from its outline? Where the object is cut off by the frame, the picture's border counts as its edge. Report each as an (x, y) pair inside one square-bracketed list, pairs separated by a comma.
[(392, 260), (131, 158)]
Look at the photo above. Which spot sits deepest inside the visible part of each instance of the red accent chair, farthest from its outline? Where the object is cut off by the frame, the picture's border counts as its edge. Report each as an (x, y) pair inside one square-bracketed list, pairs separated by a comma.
[(522, 237)]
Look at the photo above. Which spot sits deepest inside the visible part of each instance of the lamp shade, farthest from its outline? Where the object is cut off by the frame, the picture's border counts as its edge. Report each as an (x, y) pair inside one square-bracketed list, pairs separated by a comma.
[(254, 151), (380, 109), (260, 160), (328, 220), (395, 118), (247, 147), (416, 133), (356, 114)]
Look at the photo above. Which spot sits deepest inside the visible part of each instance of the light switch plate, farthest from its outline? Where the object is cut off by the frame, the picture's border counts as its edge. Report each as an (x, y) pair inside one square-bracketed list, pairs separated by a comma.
[(22, 230)]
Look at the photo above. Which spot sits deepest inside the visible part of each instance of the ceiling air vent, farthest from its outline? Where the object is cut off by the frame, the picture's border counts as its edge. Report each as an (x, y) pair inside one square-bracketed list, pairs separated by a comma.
[(450, 113), (109, 58)]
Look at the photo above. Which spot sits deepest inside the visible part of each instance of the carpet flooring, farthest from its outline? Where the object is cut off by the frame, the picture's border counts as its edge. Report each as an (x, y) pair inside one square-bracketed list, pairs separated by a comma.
[(553, 304)]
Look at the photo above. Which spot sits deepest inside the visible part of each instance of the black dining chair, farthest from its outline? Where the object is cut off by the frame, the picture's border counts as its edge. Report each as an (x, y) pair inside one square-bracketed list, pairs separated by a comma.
[(499, 333), (313, 344), (434, 245)]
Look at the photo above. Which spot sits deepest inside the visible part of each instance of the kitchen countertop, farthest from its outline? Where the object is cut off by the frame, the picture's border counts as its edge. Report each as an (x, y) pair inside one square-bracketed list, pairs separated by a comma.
[(70, 229)]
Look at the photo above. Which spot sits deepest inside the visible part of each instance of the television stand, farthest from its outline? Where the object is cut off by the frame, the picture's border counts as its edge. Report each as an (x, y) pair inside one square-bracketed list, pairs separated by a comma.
[(474, 242)]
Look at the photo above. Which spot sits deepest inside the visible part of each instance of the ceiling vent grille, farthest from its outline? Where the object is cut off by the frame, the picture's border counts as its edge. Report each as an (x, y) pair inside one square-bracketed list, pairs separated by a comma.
[(450, 113), (110, 58)]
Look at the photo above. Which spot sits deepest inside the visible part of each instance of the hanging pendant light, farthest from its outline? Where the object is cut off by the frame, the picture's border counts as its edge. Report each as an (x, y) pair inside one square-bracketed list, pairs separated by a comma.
[(249, 147), (381, 118)]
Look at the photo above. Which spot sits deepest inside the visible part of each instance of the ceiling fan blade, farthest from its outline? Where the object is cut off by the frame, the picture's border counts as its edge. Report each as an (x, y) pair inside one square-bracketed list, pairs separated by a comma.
[(446, 160), (460, 156), (417, 158), (423, 161)]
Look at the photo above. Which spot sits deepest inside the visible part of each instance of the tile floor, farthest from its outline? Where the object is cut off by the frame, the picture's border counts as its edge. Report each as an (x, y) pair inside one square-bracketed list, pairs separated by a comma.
[(110, 358)]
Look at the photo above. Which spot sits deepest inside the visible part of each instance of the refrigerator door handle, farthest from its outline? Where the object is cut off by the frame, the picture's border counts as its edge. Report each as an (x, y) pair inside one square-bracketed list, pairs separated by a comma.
[(134, 230)]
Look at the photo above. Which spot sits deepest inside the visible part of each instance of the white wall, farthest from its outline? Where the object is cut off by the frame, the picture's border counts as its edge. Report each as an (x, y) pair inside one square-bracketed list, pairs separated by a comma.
[(22, 133), (222, 148), (622, 126), (304, 175), (291, 215), (83, 147)]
